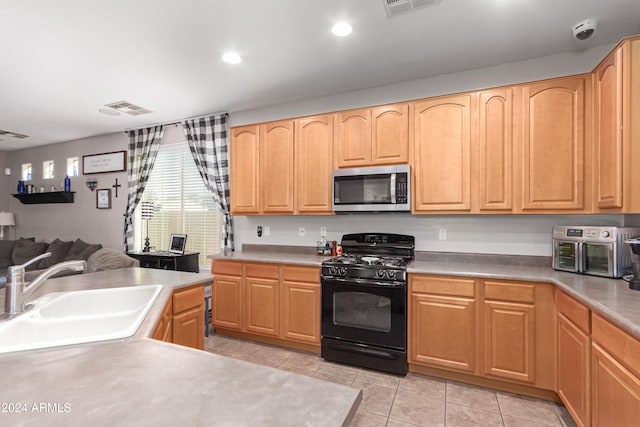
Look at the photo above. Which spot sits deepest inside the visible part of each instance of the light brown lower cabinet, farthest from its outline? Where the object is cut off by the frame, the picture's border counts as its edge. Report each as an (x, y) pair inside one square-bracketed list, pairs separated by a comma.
[(574, 355), (496, 330), (443, 322), (182, 320), (275, 303), (615, 376)]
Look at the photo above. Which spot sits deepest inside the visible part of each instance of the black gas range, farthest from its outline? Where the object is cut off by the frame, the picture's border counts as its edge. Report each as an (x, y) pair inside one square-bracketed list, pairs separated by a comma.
[(364, 302)]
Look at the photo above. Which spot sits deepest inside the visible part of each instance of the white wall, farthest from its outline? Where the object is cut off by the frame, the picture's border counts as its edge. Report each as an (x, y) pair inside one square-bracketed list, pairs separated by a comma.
[(482, 234)]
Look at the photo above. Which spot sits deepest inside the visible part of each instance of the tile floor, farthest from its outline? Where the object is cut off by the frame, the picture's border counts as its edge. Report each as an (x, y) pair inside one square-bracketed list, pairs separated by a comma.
[(414, 400)]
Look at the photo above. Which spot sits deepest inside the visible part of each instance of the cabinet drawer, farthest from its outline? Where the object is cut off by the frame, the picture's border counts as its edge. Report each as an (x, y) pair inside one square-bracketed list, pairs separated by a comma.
[(301, 274), (574, 311), (185, 299), (267, 271), (506, 291), (230, 268), (617, 342), (442, 285)]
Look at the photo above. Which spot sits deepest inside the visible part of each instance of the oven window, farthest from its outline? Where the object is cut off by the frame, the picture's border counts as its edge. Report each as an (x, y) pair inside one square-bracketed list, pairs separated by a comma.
[(596, 258), (362, 310)]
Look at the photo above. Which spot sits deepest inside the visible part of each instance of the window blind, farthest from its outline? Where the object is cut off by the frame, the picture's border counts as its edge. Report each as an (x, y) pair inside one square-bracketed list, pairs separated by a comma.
[(182, 205)]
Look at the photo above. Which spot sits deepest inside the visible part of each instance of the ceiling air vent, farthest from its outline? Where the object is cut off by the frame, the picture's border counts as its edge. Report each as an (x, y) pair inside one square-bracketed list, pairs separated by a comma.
[(396, 7), (13, 134), (128, 108)]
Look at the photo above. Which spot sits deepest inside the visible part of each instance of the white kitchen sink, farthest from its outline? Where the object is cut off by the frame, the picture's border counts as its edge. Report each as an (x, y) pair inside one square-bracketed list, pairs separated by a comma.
[(78, 317)]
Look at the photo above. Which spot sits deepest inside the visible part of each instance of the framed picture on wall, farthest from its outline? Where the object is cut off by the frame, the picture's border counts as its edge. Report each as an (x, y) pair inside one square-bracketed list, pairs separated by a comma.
[(104, 162), (103, 198)]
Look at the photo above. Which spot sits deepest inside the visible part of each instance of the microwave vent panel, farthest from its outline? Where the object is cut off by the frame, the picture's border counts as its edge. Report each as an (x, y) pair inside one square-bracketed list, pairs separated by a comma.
[(396, 7)]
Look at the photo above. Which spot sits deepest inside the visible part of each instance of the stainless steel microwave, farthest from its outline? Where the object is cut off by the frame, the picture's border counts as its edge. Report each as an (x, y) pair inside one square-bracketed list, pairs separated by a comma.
[(599, 251), (374, 189)]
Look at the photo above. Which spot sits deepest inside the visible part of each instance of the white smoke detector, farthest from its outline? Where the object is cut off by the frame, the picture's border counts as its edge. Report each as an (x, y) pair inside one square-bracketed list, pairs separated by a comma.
[(395, 7)]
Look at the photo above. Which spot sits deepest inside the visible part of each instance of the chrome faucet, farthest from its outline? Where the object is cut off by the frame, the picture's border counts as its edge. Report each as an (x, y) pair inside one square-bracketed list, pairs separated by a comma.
[(18, 292)]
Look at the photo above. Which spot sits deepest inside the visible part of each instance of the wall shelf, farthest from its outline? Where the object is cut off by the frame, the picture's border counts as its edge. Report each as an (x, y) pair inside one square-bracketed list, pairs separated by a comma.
[(48, 197)]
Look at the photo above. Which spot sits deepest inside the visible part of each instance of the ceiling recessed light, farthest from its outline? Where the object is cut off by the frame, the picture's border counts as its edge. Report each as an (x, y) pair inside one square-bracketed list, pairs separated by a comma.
[(231, 58), (109, 112), (341, 29)]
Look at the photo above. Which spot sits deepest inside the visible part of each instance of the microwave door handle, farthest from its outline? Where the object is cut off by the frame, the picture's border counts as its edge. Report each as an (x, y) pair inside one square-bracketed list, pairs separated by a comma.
[(393, 188), (581, 257)]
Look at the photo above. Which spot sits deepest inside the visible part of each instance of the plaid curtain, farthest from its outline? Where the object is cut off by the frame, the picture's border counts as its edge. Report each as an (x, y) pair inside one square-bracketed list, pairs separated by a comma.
[(143, 150), (209, 145)]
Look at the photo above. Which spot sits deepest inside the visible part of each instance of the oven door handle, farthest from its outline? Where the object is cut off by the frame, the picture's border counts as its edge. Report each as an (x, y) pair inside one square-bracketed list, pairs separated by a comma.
[(360, 282)]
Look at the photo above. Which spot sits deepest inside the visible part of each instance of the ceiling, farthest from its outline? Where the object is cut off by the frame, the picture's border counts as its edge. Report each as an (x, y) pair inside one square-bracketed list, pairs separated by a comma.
[(61, 61)]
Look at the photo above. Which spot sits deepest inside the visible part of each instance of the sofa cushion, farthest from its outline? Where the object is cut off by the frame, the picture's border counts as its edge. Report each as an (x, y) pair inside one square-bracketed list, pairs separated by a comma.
[(58, 250), (6, 248), (81, 250), (25, 250), (110, 259)]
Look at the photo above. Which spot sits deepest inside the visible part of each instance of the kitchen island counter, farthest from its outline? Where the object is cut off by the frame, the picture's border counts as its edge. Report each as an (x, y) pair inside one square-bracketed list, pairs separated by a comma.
[(140, 381), (147, 382)]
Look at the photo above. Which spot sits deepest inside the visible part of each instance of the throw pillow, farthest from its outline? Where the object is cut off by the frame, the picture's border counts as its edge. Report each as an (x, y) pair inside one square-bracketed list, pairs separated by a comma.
[(58, 250), (26, 250), (6, 248), (110, 259), (81, 250)]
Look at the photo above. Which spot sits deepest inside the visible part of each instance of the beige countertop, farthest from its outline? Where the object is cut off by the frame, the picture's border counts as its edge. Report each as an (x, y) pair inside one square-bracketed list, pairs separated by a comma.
[(140, 381), (611, 298)]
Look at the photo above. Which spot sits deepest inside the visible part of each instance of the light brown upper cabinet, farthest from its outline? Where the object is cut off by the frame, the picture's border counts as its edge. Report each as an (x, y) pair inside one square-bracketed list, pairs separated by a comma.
[(390, 134), (372, 136), (314, 163), (442, 154), (276, 167), (552, 146), (261, 176), (494, 191), (244, 172), (617, 130)]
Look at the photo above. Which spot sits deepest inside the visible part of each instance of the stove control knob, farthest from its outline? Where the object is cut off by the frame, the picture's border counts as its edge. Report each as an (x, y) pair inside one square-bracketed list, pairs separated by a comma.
[(391, 274), (342, 271), (333, 271), (380, 274), (605, 234)]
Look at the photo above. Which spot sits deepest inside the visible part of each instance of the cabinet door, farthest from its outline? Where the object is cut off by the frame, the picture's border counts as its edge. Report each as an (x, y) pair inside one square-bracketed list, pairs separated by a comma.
[(227, 302), (244, 170), (573, 370), (553, 145), (607, 166), (188, 328), (164, 328), (353, 141), (314, 163), (443, 331), (615, 392), (301, 312), (509, 340), (262, 306), (390, 134), (495, 148), (276, 167), (442, 154)]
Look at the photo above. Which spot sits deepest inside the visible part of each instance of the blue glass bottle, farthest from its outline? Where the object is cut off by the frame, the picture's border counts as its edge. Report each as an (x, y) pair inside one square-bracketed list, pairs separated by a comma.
[(67, 183), (21, 188)]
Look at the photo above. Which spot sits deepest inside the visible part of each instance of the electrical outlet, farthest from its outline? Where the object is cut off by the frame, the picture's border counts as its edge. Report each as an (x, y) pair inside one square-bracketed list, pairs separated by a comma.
[(267, 231), (323, 231), (259, 231), (442, 234), (301, 231)]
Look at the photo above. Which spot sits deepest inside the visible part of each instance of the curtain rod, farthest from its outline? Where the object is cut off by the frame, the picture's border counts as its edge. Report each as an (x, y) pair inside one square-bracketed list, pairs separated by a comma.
[(178, 122)]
